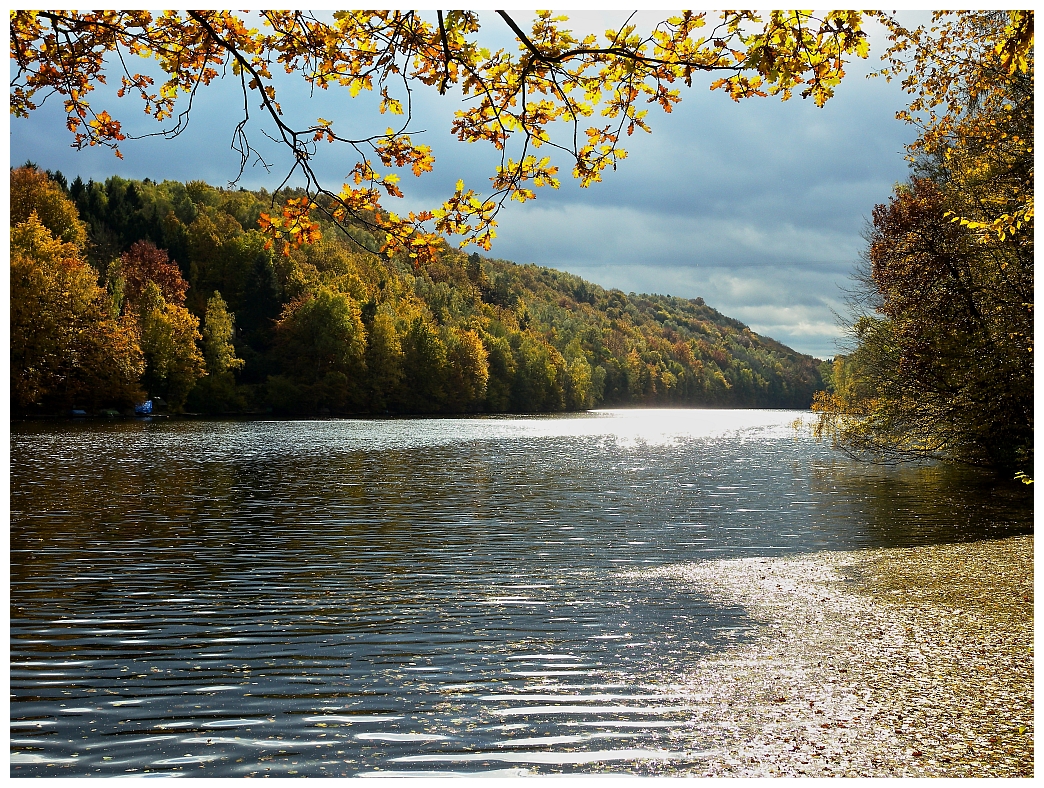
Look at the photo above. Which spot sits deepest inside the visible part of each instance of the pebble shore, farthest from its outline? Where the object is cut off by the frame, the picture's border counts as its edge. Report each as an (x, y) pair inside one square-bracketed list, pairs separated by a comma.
[(900, 662)]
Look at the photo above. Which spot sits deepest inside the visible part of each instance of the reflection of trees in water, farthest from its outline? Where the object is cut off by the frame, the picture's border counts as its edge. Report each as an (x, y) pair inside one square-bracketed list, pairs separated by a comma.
[(180, 514), (909, 505), (117, 510)]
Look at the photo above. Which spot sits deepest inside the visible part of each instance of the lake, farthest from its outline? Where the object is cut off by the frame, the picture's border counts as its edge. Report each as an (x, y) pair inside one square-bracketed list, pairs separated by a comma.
[(353, 597)]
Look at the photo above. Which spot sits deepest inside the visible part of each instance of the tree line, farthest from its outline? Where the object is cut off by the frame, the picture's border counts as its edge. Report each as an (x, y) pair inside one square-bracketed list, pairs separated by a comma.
[(123, 290)]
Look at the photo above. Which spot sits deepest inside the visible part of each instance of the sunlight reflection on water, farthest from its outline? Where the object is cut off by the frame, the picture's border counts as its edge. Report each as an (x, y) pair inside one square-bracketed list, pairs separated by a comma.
[(340, 596)]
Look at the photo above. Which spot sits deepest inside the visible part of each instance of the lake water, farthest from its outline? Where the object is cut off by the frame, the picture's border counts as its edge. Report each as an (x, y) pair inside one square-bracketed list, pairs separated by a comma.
[(326, 598)]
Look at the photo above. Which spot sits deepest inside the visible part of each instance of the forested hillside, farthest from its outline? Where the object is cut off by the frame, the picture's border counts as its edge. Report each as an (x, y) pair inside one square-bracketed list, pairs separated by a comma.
[(124, 290)]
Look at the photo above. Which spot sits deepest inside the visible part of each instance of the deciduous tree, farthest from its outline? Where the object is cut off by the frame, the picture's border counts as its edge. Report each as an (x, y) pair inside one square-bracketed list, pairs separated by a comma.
[(144, 263), (67, 348), (169, 340), (218, 331), (942, 364), (544, 95), (384, 360), (33, 192), (321, 341), (970, 76), (467, 368), (216, 391)]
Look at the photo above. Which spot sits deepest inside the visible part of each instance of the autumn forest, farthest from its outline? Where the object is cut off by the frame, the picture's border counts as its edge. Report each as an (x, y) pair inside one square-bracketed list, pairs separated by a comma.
[(264, 517), (124, 290)]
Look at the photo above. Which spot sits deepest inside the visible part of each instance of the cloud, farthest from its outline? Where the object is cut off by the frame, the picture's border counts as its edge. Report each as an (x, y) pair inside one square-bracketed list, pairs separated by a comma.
[(592, 235)]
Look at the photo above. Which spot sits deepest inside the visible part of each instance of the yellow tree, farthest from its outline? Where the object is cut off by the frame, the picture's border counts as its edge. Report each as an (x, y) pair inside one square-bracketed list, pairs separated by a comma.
[(218, 331), (216, 391), (556, 99), (66, 346), (169, 340), (970, 76), (467, 372), (33, 192)]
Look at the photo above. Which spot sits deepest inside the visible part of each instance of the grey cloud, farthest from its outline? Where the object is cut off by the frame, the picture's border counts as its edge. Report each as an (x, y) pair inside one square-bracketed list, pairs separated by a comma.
[(586, 235)]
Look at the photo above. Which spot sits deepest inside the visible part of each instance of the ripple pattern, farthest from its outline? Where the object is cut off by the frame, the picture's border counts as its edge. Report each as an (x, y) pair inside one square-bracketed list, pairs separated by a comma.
[(434, 596)]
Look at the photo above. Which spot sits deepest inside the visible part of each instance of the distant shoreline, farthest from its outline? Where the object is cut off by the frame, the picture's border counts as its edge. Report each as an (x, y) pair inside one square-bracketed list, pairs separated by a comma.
[(368, 416)]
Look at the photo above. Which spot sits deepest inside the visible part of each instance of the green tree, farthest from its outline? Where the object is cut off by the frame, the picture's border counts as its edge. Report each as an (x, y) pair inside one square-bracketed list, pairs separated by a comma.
[(212, 249), (216, 391), (425, 362), (261, 296), (384, 361), (321, 342), (116, 287), (538, 382), (501, 365), (169, 337), (218, 331), (579, 388)]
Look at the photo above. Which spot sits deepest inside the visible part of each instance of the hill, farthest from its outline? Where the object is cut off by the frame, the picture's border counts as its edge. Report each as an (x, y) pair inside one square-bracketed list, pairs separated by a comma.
[(335, 327)]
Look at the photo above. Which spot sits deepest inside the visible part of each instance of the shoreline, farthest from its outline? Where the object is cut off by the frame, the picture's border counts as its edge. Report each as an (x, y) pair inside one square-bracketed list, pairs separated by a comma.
[(900, 662), (369, 416)]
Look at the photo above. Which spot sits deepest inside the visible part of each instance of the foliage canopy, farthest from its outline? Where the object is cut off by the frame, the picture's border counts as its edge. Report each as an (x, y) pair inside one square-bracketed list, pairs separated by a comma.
[(223, 324), (574, 97)]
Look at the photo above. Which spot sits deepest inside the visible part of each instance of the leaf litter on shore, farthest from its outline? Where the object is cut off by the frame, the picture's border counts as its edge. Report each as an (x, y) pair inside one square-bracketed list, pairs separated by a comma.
[(888, 662)]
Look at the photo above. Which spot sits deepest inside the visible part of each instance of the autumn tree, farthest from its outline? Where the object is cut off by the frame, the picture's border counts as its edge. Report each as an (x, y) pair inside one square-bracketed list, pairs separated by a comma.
[(144, 263), (32, 191), (419, 328), (467, 370), (543, 95), (942, 361), (970, 78), (169, 341), (67, 348), (216, 391)]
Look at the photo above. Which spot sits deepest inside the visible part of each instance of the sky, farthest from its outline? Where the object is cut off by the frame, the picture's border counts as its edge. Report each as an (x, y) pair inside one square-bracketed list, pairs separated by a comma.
[(758, 207)]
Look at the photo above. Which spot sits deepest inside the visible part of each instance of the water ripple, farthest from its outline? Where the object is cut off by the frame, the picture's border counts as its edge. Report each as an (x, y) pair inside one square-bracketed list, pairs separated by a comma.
[(342, 598)]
